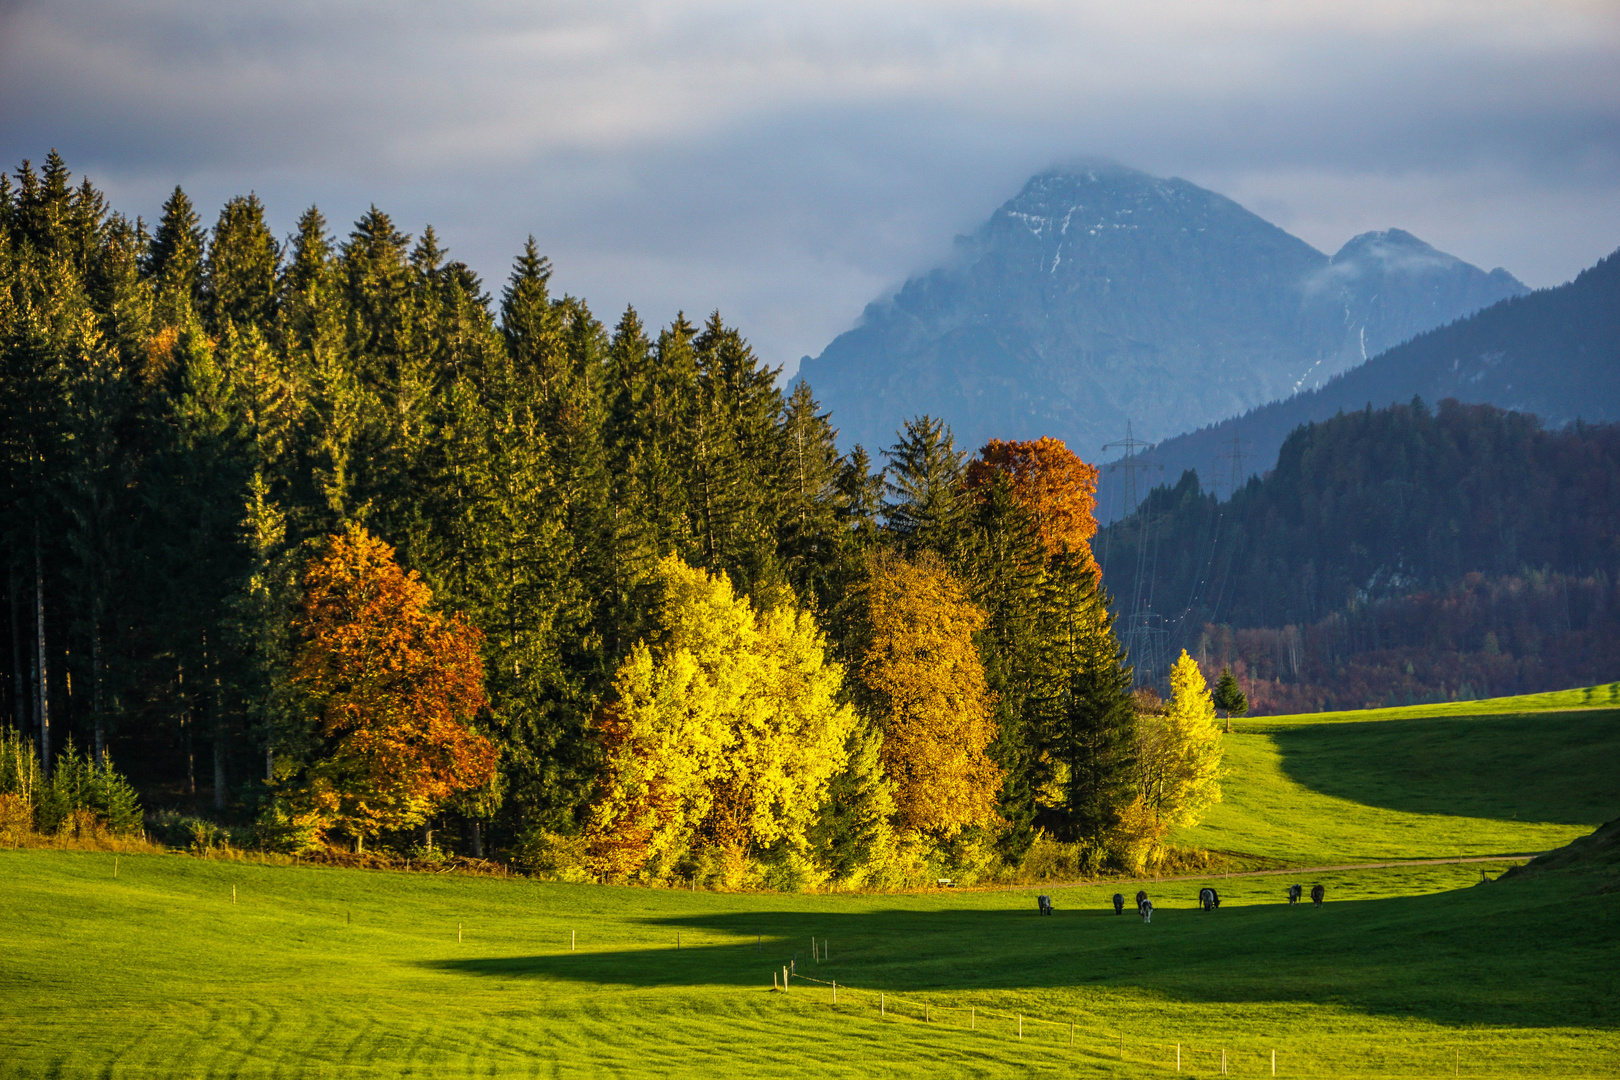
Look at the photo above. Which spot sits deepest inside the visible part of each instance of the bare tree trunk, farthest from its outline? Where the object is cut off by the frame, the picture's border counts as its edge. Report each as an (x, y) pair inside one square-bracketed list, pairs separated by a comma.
[(42, 702), (219, 732), (478, 840), (185, 728), (19, 682), (95, 689), (219, 764)]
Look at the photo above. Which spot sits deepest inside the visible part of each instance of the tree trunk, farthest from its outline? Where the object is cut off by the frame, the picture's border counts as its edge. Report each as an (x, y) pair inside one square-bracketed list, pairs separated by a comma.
[(218, 710), (19, 694), (219, 764), (95, 689), (185, 728), (42, 702), (478, 840)]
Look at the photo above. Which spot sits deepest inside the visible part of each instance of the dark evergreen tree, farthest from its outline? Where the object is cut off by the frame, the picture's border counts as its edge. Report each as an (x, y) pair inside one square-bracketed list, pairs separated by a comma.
[(240, 278), (174, 261)]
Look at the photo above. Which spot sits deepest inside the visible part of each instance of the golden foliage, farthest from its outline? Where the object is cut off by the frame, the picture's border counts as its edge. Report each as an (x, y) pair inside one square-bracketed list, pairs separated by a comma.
[(725, 730), (1179, 753), (159, 354), (1051, 483), (396, 687), (927, 684)]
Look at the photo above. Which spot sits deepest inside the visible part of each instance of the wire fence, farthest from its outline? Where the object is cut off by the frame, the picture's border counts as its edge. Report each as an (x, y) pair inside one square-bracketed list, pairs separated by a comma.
[(1115, 1044), (1101, 1041)]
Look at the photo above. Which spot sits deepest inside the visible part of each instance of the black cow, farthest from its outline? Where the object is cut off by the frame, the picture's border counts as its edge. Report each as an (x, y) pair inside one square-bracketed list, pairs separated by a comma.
[(1045, 903), (1141, 895), (1293, 893), (1209, 899), (1146, 909), (1119, 903), (1317, 893)]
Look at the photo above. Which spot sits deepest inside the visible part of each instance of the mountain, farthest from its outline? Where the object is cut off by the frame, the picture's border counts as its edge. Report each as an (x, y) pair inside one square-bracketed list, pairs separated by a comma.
[(1102, 296), (1554, 353)]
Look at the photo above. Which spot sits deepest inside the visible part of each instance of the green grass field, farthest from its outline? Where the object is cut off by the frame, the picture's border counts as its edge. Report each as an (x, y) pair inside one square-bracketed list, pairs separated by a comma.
[(1407, 971), (1506, 776)]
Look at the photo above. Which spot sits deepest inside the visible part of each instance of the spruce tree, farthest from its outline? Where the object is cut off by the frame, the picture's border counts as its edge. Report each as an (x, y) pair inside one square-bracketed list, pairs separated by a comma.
[(174, 261), (926, 505), (240, 278)]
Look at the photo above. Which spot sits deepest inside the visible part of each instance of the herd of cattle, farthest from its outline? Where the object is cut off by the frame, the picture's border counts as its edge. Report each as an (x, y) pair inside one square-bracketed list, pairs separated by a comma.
[(1208, 899)]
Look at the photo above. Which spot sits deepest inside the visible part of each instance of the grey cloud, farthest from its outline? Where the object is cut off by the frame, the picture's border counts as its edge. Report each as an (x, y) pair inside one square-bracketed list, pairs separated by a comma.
[(787, 163)]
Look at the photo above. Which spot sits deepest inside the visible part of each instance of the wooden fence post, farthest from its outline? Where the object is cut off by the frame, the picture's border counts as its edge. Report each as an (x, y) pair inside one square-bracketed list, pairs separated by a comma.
[(882, 1005), (1020, 1025), (1274, 1063), (973, 1018), (1178, 1057), (458, 933), (835, 991), (571, 940), (1223, 1062)]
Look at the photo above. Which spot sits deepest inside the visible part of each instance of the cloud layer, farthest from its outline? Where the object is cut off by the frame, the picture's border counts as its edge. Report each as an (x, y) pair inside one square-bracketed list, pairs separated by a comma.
[(786, 163)]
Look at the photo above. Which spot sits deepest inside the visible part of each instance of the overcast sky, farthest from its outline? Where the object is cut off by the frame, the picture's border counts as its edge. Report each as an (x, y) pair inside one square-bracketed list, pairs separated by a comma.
[(787, 163)]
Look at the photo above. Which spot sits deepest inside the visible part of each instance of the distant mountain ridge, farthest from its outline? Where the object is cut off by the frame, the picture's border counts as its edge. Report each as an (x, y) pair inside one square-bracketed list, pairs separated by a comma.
[(1554, 353), (1101, 295)]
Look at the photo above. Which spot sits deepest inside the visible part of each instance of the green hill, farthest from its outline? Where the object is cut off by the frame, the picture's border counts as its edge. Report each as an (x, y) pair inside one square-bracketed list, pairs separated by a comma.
[(1504, 776)]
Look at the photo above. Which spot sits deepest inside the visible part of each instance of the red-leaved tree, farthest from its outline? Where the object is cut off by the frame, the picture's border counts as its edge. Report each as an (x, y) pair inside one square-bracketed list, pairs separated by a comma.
[(396, 687)]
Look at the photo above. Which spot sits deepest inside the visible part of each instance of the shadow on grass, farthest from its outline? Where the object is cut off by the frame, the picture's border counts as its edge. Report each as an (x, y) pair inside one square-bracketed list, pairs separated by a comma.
[(1549, 767), (1507, 954)]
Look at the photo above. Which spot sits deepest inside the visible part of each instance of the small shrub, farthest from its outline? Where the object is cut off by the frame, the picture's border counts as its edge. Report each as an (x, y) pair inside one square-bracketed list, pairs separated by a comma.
[(80, 799), (196, 834), (553, 855), (16, 819)]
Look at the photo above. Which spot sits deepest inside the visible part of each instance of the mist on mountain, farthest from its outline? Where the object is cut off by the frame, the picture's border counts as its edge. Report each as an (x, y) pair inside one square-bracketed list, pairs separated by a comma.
[(1101, 297)]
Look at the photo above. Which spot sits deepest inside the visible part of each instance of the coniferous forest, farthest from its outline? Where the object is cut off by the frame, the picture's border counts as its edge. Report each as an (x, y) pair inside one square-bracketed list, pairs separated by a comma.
[(1394, 556), (326, 539)]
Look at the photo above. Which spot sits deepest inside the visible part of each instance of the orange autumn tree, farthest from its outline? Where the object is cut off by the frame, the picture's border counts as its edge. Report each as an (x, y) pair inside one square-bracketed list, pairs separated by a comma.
[(1051, 483), (925, 684), (395, 687)]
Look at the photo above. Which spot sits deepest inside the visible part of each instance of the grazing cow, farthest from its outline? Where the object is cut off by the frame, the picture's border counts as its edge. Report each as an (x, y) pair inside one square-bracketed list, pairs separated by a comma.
[(1045, 903), (1141, 895), (1293, 893), (1119, 903), (1146, 908), (1209, 899), (1317, 893)]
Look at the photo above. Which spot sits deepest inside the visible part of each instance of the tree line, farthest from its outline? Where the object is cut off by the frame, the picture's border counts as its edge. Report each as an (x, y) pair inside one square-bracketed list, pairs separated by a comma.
[(319, 532)]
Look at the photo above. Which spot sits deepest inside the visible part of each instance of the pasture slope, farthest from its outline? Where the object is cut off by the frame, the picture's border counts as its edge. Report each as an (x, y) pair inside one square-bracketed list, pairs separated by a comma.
[(1407, 971)]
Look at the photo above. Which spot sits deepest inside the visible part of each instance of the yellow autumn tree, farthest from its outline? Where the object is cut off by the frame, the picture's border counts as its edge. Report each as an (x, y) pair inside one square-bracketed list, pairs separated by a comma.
[(926, 685), (1181, 752), (724, 730)]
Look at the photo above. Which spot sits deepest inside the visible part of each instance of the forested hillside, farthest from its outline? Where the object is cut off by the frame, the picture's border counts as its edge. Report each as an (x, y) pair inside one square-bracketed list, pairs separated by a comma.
[(321, 535), (1554, 353), (1394, 555)]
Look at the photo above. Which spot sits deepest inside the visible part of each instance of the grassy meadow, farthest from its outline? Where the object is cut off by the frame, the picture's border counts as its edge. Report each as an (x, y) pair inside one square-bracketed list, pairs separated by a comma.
[(1497, 777), (1411, 970)]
